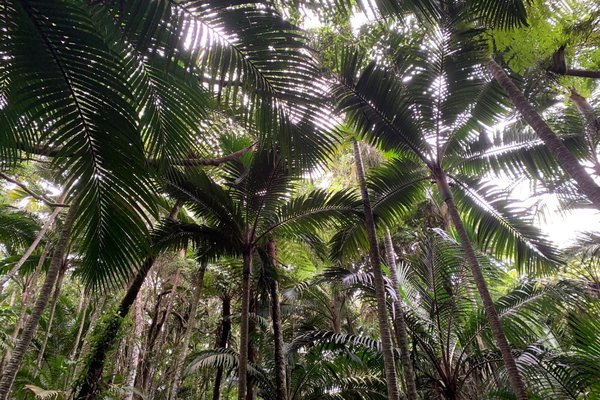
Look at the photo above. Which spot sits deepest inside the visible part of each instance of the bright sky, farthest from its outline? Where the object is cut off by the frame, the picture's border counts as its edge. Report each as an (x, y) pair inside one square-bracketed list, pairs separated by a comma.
[(564, 228)]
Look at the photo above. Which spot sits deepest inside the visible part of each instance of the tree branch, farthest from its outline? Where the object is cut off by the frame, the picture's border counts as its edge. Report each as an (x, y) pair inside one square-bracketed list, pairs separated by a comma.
[(214, 162), (186, 162), (39, 197)]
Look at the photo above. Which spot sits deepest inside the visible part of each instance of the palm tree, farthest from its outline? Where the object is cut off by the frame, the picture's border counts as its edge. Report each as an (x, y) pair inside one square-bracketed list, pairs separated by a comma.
[(253, 205), (375, 264), (429, 105), (198, 282), (399, 320), (269, 257)]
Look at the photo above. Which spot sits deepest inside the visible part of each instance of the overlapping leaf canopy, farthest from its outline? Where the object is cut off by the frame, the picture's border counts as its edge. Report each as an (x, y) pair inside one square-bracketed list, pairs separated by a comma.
[(108, 89)]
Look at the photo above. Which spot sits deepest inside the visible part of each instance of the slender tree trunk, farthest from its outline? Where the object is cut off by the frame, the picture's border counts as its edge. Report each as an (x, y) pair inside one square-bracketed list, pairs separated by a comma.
[(156, 339), (89, 383), (223, 340), (243, 367), (556, 147), (84, 308), (28, 296), (10, 372), (280, 368), (191, 326), (253, 355), (158, 318), (490, 310), (382, 317), (591, 124), (87, 341), (400, 324), (138, 328), (47, 225), (54, 302)]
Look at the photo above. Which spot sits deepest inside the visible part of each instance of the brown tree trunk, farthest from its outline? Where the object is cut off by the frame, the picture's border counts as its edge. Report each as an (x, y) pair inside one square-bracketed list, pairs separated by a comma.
[(27, 297), (378, 281), (156, 337), (189, 329), (90, 382), (556, 147), (83, 312), (280, 368), (223, 340), (490, 310), (87, 341), (591, 123), (399, 323), (243, 363), (54, 302), (10, 372), (136, 346)]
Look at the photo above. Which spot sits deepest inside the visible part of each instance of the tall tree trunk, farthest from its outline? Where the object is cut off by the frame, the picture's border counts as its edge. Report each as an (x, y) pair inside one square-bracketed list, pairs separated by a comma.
[(155, 339), (138, 328), (47, 225), (378, 281), (54, 302), (89, 383), (150, 360), (27, 297), (82, 318), (92, 375), (10, 372), (591, 124), (556, 147), (191, 326), (243, 367), (280, 368), (87, 341), (252, 353), (223, 340), (400, 323), (490, 310)]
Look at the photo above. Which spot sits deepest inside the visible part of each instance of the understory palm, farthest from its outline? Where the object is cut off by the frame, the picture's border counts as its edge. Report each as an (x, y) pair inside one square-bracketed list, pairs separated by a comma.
[(254, 204)]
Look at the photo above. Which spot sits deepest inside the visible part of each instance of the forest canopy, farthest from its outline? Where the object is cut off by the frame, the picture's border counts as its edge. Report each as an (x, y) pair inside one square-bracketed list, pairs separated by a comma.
[(298, 200)]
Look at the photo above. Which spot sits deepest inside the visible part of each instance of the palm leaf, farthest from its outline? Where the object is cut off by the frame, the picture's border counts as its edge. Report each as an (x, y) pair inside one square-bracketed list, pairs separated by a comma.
[(495, 225)]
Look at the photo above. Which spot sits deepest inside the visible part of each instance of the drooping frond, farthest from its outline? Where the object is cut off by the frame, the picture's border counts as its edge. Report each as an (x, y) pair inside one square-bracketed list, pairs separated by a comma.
[(87, 117), (257, 63), (313, 212), (496, 226)]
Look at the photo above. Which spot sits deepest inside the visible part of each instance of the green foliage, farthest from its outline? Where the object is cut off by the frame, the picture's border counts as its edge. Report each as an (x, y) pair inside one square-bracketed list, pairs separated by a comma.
[(232, 111)]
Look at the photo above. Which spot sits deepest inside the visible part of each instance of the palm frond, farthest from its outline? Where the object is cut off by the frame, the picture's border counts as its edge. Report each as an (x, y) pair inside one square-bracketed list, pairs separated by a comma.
[(313, 212), (17, 229), (332, 339), (256, 62), (495, 225), (89, 118), (228, 360)]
